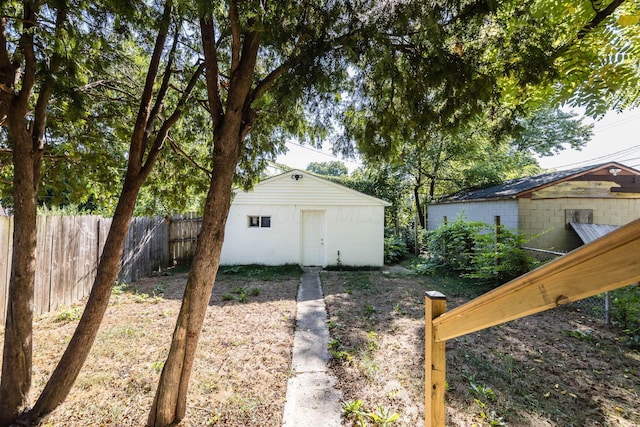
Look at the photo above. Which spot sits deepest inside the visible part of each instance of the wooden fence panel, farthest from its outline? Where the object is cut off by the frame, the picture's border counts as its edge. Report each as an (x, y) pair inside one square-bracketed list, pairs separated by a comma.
[(6, 231), (87, 254), (183, 233), (146, 249), (42, 281), (69, 249)]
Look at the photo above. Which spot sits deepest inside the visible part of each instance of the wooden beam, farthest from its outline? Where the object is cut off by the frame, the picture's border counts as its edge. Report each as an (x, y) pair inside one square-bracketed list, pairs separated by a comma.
[(607, 263), (434, 363)]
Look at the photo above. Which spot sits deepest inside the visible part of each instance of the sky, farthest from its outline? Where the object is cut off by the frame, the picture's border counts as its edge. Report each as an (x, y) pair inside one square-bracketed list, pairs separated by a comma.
[(616, 138)]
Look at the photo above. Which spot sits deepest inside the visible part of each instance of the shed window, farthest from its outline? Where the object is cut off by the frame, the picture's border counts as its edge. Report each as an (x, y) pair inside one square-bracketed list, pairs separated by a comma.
[(256, 221)]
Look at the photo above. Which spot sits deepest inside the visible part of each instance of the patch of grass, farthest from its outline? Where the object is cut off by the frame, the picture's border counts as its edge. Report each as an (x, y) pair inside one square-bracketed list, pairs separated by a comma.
[(342, 267), (119, 288), (262, 272), (68, 314)]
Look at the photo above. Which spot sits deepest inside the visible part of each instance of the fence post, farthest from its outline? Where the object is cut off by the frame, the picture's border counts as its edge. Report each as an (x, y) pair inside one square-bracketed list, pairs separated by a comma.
[(434, 363)]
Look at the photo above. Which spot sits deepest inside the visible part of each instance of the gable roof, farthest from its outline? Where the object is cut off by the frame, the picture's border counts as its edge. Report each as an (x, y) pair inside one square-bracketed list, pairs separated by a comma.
[(520, 186), (304, 188)]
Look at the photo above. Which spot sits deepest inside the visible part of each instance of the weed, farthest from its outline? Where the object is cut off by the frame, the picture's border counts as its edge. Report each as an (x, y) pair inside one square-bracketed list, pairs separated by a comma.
[(68, 314), (157, 366), (372, 337), (582, 336), (490, 417), (228, 297), (334, 344), (398, 309), (146, 298), (355, 411), (369, 309), (341, 356), (383, 416), (159, 289), (352, 408), (119, 288), (255, 292), (481, 391)]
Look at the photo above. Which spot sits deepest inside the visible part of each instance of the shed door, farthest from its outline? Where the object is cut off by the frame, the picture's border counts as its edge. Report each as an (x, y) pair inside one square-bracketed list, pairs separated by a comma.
[(313, 230)]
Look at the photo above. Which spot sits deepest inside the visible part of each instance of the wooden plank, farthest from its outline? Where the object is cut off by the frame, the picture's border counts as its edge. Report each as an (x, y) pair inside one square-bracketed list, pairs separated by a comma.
[(6, 233), (581, 189), (92, 251), (605, 264), (84, 262), (42, 282), (68, 283), (50, 236), (434, 363), (56, 296)]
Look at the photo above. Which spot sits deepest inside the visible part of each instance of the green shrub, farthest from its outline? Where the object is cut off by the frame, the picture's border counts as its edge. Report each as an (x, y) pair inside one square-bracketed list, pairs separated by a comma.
[(625, 311), (451, 246), (470, 250), (394, 250), (499, 261)]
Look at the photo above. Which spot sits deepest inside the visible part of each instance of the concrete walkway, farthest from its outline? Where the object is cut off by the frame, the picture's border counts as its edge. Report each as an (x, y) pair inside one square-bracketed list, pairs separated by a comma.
[(312, 400)]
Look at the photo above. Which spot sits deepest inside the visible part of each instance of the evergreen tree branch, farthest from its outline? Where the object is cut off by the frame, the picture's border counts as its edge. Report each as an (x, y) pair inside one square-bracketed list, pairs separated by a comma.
[(212, 74), (164, 87), (46, 89), (138, 138), (174, 145), (234, 19), (173, 118), (26, 46)]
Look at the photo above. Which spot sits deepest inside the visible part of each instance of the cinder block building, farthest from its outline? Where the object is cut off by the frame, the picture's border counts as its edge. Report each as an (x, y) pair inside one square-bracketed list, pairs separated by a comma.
[(558, 209)]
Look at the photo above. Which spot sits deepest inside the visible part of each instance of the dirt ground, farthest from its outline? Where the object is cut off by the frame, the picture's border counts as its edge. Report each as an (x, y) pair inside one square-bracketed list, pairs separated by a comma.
[(559, 368), (241, 370)]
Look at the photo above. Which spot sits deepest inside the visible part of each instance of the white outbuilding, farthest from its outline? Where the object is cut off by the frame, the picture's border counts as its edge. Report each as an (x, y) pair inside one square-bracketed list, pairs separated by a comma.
[(299, 218)]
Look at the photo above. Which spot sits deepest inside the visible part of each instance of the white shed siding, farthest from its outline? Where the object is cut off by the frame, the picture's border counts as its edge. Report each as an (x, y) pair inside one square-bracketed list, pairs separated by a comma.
[(309, 190), (354, 223), (484, 211)]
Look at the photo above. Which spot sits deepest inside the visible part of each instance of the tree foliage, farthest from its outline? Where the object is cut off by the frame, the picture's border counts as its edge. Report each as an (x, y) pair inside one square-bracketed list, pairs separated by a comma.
[(332, 168), (475, 250), (413, 77)]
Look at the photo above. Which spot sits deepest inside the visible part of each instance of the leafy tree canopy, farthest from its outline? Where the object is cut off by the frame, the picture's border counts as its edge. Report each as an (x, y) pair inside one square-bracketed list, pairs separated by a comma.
[(333, 168)]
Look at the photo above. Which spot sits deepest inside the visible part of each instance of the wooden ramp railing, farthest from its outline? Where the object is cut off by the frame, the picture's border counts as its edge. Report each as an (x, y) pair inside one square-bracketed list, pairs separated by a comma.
[(607, 263)]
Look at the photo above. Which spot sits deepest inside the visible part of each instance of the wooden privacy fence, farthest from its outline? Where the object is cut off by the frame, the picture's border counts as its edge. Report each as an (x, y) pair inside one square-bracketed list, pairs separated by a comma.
[(69, 248), (602, 265)]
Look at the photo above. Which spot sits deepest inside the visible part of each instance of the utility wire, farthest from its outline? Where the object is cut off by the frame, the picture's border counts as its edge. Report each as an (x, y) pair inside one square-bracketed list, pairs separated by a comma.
[(606, 157)]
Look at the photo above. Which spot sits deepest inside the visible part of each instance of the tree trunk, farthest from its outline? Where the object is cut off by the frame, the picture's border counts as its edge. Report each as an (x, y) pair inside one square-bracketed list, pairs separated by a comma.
[(17, 352), (416, 197), (170, 401)]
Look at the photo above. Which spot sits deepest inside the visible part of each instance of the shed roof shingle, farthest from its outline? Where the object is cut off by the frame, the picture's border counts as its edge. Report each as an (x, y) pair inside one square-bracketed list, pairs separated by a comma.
[(512, 188)]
